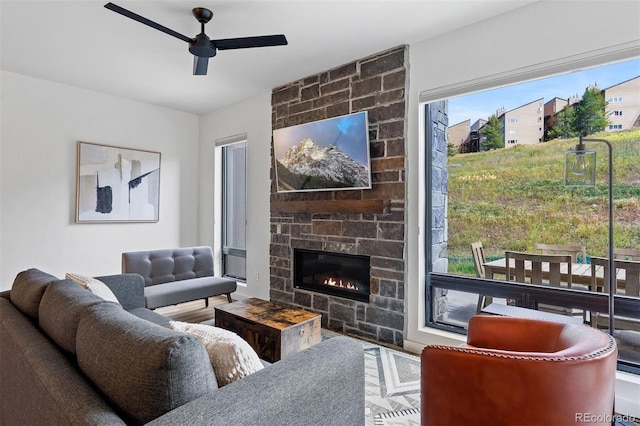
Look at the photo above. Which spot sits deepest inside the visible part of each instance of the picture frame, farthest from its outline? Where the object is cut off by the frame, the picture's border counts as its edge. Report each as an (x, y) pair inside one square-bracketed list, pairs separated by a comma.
[(116, 184), (326, 155)]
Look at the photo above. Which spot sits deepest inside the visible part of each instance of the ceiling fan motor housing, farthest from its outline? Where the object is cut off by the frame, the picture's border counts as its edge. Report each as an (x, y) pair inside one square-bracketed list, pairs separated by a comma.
[(202, 46)]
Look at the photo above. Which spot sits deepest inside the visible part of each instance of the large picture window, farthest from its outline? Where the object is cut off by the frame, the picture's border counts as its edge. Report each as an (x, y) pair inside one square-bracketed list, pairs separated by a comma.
[(488, 199)]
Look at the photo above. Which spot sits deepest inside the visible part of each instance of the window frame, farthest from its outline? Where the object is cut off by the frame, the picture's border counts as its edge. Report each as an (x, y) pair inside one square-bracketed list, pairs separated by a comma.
[(226, 250)]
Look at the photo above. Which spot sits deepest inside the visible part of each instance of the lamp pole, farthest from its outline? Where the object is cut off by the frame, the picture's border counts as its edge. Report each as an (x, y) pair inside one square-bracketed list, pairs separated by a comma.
[(612, 270)]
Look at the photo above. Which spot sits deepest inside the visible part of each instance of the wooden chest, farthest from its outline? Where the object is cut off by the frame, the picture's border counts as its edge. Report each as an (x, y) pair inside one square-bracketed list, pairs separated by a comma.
[(273, 330)]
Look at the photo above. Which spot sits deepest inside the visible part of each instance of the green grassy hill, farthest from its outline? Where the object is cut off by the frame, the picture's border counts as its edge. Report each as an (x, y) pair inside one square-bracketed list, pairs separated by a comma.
[(512, 198)]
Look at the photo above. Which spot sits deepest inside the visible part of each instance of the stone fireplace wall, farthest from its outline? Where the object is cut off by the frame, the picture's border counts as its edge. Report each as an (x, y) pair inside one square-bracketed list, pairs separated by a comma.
[(364, 222)]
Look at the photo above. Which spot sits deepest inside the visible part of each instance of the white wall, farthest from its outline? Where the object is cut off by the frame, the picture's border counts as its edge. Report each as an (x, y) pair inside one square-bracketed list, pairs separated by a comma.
[(252, 117), (508, 48), (41, 122)]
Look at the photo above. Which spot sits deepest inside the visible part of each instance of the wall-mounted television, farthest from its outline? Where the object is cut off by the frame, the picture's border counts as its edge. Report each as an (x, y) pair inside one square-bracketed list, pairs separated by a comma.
[(325, 155)]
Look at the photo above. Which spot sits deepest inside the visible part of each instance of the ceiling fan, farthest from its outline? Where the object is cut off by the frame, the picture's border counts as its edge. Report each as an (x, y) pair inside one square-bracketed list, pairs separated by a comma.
[(201, 46)]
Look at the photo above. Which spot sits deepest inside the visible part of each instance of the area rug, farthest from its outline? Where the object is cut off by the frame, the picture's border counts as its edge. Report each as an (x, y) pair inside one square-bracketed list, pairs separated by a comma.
[(392, 384), (398, 418)]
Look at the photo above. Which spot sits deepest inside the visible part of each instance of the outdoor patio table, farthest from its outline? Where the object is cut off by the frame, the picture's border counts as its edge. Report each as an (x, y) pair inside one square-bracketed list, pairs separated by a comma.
[(580, 272)]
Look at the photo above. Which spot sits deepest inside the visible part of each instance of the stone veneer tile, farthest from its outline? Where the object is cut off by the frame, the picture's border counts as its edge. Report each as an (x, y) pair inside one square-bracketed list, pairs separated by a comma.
[(338, 109), (395, 80), (395, 147), (343, 71), (285, 94), (391, 231), (359, 228), (341, 86), (387, 112), (394, 129), (388, 176), (310, 92), (327, 227), (366, 87), (393, 249), (384, 164), (382, 64)]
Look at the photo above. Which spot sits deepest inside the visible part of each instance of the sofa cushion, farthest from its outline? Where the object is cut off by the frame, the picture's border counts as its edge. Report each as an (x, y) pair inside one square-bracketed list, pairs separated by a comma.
[(231, 356), (144, 369), (176, 292), (60, 310), (95, 286), (27, 291)]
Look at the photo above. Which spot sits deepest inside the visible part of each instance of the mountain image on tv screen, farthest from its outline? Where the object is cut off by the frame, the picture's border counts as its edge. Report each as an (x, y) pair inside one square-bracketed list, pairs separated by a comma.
[(323, 155), (309, 166)]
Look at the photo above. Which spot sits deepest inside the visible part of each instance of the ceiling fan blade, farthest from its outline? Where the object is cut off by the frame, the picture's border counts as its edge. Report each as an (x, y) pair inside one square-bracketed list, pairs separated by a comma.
[(143, 20), (245, 42), (200, 65)]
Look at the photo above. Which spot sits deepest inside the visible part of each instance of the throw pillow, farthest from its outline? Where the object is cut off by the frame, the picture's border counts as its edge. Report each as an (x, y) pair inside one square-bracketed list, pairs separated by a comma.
[(231, 356), (95, 286)]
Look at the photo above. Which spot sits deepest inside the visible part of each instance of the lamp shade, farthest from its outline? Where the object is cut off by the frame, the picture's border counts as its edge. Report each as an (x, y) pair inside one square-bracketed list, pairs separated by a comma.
[(580, 168)]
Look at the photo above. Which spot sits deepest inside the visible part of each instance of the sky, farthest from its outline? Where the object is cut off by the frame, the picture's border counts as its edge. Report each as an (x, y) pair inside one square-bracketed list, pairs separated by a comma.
[(349, 133), (484, 104)]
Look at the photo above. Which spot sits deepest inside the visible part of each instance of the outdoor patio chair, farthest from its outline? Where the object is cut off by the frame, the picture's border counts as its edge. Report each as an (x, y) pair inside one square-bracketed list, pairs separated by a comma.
[(627, 283), (626, 254), (477, 251), (541, 268), (627, 330), (573, 250), (545, 269)]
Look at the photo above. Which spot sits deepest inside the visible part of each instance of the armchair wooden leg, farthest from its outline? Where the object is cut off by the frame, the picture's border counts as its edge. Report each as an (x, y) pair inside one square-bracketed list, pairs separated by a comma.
[(206, 302), (229, 297)]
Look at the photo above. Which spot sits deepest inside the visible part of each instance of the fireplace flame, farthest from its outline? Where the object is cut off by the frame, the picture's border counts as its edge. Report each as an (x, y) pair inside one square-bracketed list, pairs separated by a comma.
[(339, 283)]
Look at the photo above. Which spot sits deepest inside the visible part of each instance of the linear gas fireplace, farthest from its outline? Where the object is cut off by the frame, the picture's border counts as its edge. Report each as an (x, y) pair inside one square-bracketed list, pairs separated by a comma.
[(342, 275)]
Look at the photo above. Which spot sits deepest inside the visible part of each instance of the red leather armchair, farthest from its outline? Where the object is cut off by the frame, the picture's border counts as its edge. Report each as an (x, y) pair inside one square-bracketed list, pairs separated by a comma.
[(517, 371)]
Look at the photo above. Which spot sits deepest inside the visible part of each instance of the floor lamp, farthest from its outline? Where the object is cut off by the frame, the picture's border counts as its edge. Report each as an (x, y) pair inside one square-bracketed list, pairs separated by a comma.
[(580, 170)]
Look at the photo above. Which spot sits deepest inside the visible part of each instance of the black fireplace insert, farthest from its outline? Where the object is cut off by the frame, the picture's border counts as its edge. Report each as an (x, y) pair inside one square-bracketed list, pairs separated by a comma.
[(342, 275)]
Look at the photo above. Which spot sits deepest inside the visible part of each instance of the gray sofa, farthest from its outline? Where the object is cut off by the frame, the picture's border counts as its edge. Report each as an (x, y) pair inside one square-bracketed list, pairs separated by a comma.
[(70, 357), (178, 275)]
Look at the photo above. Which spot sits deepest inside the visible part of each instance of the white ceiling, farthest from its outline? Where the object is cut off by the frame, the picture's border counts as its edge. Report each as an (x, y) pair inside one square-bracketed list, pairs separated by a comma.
[(81, 43)]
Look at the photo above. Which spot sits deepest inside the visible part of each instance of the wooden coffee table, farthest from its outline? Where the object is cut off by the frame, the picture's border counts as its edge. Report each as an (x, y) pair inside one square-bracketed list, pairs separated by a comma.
[(273, 330)]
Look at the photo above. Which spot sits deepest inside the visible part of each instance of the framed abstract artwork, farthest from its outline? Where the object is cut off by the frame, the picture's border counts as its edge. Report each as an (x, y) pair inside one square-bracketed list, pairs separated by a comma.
[(115, 184)]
